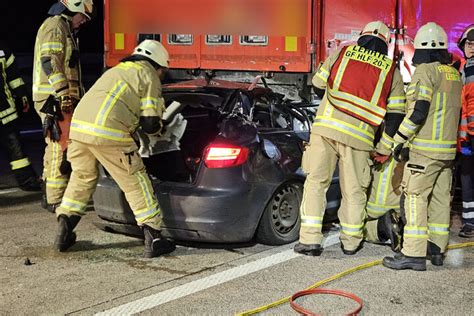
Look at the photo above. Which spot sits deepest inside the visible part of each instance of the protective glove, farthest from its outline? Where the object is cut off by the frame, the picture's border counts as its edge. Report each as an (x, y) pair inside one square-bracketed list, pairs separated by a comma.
[(51, 128), (67, 104), (401, 153), (380, 159)]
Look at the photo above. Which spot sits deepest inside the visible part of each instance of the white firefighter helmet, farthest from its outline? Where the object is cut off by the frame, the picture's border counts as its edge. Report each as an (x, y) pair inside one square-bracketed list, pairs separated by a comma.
[(431, 36), (154, 50), (467, 35), (377, 29), (80, 6)]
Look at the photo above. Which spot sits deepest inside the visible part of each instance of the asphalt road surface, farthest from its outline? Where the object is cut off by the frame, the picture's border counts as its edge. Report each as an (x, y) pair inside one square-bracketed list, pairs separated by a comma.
[(104, 273)]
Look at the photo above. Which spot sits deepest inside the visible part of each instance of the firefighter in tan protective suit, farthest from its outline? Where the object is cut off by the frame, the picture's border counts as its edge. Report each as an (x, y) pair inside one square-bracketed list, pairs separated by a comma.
[(430, 130), (124, 98), (351, 110), (383, 204), (57, 76)]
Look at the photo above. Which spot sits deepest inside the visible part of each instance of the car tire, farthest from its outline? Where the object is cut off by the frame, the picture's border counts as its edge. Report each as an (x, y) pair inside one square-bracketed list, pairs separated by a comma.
[(280, 221)]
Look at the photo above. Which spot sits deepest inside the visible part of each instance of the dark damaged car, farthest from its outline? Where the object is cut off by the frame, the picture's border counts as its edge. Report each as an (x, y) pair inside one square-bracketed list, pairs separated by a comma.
[(233, 175)]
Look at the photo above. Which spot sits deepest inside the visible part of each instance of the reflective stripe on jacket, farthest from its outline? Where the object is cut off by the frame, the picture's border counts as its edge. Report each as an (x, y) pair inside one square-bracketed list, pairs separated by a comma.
[(11, 84), (435, 137), (55, 41), (109, 113), (340, 126), (364, 97)]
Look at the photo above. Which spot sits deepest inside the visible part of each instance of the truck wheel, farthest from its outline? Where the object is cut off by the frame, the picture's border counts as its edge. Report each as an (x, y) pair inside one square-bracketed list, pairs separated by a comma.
[(280, 221)]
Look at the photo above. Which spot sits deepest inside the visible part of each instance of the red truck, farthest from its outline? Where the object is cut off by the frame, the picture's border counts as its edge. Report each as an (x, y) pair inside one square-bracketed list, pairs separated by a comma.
[(199, 39)]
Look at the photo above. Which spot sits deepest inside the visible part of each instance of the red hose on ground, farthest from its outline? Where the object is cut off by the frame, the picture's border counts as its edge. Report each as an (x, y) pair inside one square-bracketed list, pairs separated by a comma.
[(303, 311)]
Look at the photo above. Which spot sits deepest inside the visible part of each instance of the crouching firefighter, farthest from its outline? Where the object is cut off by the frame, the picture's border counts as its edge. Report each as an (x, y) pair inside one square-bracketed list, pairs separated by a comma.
[(124, 98), (13, 102), (430, 129), (57, 88), (383, 204), (351, 110)]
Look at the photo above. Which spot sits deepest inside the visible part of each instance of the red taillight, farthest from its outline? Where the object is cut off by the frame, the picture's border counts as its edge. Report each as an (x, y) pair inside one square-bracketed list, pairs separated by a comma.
[(225, 156)]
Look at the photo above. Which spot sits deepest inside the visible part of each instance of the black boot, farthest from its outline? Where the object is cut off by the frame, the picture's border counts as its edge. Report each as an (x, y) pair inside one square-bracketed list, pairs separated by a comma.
[(308, 250), (52, 207), (400, 262), (434, 254), (66, 237), (389, 226), (155, 244), (351, 252), (44, 199)]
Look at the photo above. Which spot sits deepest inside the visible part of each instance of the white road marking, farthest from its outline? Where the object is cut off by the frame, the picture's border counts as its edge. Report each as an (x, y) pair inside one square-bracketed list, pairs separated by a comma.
[(6, 191), (169, 295)]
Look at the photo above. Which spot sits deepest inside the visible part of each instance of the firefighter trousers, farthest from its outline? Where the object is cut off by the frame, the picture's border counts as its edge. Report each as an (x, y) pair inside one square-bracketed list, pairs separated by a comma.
[(319, 163), (426, 185), (467, 186), (19, 162), (125, 166), (384, 195), (56, 182)]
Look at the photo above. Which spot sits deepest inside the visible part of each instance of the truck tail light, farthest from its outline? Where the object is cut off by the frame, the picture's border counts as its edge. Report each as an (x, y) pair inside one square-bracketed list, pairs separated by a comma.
[(225, 156)]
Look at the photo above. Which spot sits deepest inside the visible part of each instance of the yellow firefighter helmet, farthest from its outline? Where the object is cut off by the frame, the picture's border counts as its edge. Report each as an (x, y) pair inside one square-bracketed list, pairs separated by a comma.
[(154, 50), (431, 36), (377, 29)]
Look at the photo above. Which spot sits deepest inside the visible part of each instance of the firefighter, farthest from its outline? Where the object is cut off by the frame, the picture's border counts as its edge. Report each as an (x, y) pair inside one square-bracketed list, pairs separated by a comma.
[(57, 76), (351, 110), (466, 134), (14, 102), (124, 98), (429, 129), (383, 204)]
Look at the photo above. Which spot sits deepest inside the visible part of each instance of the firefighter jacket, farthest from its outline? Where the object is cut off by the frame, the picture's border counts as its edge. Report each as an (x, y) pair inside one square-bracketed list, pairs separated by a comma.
[(56, 68), (467, 115), (109, 113), (11, 86), (362, 86), (431, 131)]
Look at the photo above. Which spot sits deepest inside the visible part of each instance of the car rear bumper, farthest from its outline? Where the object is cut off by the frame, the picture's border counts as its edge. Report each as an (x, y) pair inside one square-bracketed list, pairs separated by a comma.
[(190, 213)]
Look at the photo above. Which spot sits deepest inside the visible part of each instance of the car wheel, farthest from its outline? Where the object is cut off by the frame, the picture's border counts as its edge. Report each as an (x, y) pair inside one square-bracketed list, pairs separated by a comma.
[(280, 222)]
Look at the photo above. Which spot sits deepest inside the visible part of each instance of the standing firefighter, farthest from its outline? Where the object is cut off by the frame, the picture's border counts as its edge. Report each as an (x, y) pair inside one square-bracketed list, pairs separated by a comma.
[(351, 111), (13, 102), (124, 98), (429, 128), (466, 134), (57, 88)]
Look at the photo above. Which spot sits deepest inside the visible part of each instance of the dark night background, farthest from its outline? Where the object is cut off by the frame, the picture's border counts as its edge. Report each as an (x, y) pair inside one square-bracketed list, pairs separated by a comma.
[(19, 23)]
